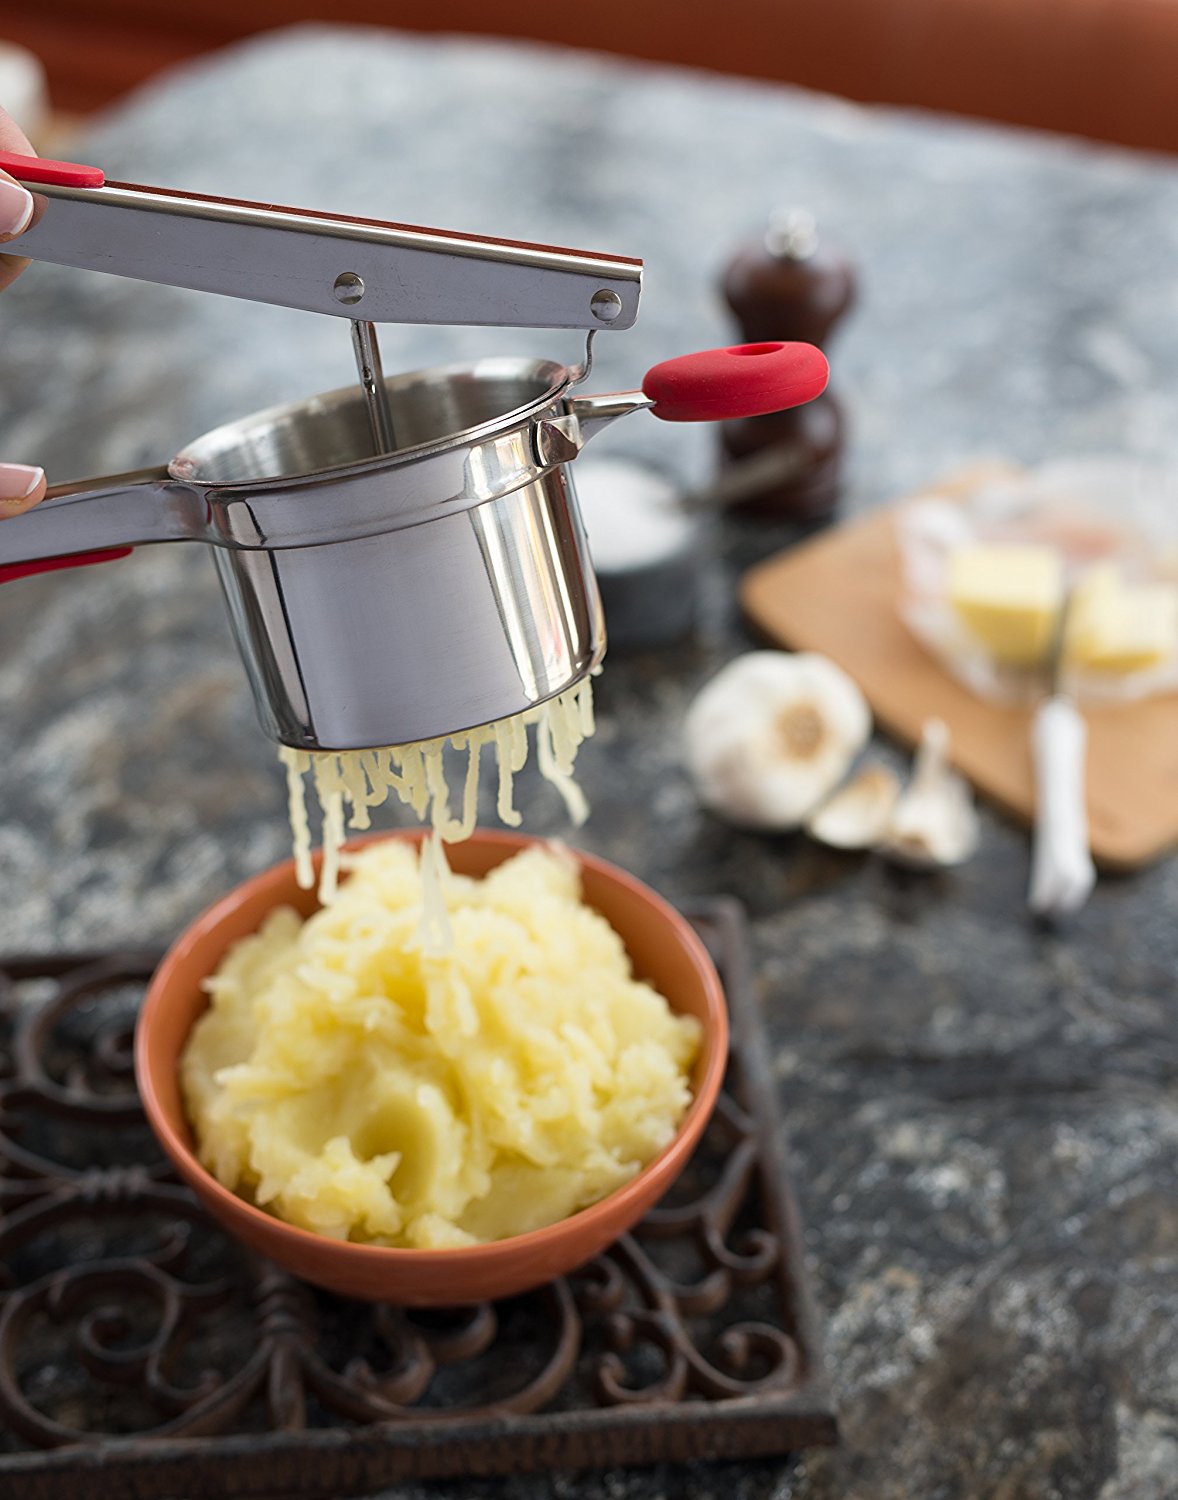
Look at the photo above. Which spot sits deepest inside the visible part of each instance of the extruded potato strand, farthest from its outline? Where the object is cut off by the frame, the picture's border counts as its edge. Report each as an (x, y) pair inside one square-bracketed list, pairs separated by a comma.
[(358, 780)]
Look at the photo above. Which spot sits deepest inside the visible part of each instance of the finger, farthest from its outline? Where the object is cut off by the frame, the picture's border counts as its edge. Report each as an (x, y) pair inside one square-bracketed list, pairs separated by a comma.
[(21, 486), (16, 203), (16, 208), (10, 268)]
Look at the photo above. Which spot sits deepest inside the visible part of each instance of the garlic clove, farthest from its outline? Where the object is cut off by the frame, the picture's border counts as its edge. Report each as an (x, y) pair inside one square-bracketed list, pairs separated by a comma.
[(934, 824), (772, 735), (859, 814)]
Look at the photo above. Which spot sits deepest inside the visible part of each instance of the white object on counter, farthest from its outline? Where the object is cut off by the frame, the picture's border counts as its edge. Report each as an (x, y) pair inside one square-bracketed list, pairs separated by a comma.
[(772, 735), (1062, 872), (859, 814), (631, 513), (643, 550), (935, 823)]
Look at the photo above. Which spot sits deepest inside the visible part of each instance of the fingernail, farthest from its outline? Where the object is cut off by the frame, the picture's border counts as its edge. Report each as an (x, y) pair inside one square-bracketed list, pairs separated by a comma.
[(16, 207), (18, 481)]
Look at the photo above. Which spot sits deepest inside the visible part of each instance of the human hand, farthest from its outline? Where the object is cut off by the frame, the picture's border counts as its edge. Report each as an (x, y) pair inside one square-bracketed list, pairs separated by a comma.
[(21, 485)]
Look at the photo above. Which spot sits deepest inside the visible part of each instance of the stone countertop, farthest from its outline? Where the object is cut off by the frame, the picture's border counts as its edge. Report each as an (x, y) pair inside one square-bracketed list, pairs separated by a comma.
[(983, 1115)]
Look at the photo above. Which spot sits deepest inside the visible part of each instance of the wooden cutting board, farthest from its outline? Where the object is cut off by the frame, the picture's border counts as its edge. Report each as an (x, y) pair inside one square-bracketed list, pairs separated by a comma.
[(838, 594)]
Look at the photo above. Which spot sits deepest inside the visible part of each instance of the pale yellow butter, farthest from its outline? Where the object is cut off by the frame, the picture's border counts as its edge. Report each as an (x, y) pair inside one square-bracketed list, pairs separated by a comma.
[(1117, 627), (1007, 597), (353, 1085)]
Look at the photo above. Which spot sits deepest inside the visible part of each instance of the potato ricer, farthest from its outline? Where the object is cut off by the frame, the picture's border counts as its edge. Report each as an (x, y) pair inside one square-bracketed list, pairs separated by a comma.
[(402, 559)]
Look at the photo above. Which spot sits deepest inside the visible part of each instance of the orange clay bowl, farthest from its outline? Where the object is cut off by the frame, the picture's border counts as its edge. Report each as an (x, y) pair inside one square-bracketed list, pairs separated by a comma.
[(664, 950)]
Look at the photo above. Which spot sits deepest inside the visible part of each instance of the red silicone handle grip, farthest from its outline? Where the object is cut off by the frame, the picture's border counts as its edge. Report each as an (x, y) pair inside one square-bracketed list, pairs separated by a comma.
[(57, 173), (748, 380), (52, 564)]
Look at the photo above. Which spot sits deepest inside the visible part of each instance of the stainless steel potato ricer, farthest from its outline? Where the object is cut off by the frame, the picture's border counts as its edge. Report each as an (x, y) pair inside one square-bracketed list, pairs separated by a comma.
[(402, 559)]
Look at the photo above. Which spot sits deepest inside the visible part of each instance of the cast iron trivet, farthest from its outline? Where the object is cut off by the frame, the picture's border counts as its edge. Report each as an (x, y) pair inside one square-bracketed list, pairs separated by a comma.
[(143, 1354)]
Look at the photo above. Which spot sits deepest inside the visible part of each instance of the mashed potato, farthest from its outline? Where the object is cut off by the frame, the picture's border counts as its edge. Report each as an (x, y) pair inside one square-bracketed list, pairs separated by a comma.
[(356, 1086)]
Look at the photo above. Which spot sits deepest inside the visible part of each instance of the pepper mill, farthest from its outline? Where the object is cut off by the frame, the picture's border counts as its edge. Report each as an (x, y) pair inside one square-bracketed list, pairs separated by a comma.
[(788, 285)]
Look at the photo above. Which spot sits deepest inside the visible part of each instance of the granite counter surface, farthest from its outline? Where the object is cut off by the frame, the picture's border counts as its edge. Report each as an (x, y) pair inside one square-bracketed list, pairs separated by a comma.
[(983, 1115)]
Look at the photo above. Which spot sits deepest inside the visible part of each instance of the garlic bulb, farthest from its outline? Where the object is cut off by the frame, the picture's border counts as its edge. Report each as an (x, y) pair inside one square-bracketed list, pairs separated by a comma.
[(934, 824), (859, 814), (773, 734)]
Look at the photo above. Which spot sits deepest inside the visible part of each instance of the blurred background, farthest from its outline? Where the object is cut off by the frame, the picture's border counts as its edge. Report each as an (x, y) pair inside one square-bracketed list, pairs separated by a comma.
[(983, 1110), (1098, 68)]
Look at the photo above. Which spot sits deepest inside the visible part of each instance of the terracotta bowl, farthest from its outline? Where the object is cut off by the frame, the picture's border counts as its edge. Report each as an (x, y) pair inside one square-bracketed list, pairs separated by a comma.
[(663, 948)]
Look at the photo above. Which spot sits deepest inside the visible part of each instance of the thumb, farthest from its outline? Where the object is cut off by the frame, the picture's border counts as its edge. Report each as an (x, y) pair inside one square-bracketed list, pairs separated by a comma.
[(21, 486), (16, 202), (16, 208)]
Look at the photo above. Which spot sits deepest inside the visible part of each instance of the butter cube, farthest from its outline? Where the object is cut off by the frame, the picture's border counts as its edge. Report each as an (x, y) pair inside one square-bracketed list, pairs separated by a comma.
[(1090, 599), (1118, 627), (1008, 598)]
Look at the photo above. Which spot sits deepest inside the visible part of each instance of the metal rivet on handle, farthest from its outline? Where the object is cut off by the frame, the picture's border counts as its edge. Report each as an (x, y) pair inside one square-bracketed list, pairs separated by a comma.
[(348, 288), (605, 305)]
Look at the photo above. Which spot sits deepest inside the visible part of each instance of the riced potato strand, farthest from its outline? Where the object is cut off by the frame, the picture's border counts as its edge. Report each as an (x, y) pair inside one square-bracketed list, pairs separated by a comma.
[(360, 780)]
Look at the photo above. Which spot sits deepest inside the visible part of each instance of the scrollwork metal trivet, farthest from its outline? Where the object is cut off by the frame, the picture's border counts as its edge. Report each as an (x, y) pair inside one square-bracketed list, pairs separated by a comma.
[(143, 1349)]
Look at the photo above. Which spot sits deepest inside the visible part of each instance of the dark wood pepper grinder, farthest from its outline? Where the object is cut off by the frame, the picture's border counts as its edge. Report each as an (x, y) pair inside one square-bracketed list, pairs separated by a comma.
[(787, 285)]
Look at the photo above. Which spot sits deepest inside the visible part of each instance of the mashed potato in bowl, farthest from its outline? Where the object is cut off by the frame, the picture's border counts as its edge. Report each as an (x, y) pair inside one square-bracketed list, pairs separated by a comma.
[(354, 1085)]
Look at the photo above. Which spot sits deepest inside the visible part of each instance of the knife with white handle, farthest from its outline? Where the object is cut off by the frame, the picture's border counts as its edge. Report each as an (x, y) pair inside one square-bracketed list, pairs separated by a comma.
[(1062, 872)]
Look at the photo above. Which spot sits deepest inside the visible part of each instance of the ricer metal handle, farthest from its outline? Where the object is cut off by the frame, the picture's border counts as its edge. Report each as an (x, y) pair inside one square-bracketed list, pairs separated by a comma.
[(97, 520), (363, 269)]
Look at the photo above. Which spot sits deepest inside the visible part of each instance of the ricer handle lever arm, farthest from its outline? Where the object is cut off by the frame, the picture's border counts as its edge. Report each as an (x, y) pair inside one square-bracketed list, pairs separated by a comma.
[(98, 520), (362, 269)]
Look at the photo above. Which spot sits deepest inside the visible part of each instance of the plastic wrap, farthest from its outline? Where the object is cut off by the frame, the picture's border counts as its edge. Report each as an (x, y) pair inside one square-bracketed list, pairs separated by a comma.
[(1089, 511)]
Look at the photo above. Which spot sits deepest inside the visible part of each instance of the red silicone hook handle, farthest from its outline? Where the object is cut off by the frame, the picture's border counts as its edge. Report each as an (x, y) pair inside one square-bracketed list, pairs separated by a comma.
[(748, 380), (52, 564), (57, 173)]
